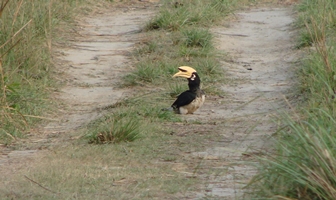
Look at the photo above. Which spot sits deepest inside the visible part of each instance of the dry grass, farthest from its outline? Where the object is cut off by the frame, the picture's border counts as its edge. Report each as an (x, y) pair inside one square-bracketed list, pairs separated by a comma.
[(157, 166), (28, 32)]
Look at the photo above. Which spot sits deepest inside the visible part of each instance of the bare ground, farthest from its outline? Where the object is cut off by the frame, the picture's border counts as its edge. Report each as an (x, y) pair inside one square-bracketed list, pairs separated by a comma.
[(258, 67)]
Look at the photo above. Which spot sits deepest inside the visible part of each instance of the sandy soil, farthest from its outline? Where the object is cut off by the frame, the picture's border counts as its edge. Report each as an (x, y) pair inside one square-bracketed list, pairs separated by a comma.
[(260, 49)]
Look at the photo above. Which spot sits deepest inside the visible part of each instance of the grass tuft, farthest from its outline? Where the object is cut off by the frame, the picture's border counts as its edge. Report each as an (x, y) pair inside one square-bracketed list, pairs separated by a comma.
[(177, 88), (197, 38), (145, 72), (304, 165), (112, 129), (305, 40), (175, 16), (313, 12)]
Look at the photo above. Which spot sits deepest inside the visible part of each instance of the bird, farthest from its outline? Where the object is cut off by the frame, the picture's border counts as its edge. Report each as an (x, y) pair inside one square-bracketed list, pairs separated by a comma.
[(191, 100)]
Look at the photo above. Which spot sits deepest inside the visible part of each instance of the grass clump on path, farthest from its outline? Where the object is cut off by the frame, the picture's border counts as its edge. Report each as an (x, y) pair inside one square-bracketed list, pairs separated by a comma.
[(200, 13), (114, 129), (179, 35), (303, 165)]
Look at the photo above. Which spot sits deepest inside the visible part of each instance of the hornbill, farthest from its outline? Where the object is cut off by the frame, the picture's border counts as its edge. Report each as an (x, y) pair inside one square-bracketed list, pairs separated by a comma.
[(189, 101)]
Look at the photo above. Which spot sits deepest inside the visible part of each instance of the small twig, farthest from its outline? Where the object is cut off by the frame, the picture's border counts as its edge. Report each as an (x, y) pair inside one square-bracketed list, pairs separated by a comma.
[(41, 185)]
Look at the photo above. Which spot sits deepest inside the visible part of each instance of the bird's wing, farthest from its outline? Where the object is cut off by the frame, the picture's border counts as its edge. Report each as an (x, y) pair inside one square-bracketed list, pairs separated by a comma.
[(184, 98)]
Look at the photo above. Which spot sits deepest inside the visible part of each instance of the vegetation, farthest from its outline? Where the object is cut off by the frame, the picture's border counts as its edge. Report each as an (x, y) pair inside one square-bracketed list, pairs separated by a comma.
[(26, 44), (176, 34), (303, 166), (180, 14)]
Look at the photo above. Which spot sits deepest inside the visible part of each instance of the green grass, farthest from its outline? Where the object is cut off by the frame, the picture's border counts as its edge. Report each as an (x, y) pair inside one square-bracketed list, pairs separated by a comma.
[(28, 32), (173, 16), (115, 129), (177, 88), (312, 13), (304, 163), (178, 36), (146, 72), (302, 166), (197, 38)]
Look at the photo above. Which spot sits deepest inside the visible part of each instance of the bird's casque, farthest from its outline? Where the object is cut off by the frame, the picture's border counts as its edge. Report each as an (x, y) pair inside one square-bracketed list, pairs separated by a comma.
[(191, 100)]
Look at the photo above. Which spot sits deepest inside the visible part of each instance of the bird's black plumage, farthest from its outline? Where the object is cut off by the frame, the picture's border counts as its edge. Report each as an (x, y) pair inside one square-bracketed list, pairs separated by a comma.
[(184, 98)]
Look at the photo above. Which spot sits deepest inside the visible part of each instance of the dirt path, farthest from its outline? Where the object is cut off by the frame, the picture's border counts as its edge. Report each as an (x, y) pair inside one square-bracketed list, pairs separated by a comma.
[(260, 47), (258, 67), (96, 61)]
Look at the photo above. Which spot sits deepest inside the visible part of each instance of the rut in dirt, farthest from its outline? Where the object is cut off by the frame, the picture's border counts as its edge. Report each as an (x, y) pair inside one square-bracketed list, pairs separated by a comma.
[(261, 55)]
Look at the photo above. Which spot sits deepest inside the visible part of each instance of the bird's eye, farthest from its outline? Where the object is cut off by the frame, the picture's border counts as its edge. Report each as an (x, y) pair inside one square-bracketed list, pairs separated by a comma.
[(193, 76)]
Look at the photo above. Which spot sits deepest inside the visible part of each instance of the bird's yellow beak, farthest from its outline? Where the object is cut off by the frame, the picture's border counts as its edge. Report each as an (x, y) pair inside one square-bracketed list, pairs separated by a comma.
[(185, 71)]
